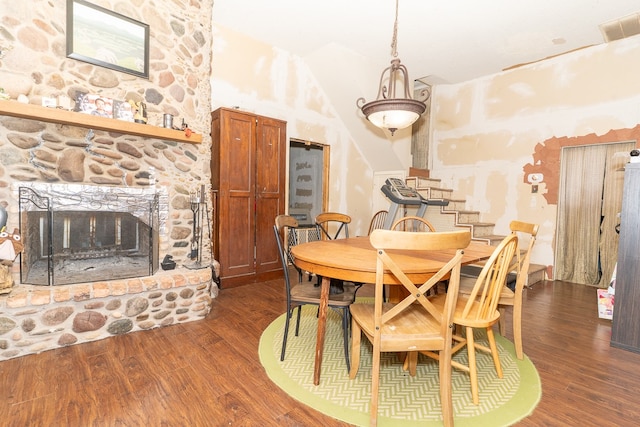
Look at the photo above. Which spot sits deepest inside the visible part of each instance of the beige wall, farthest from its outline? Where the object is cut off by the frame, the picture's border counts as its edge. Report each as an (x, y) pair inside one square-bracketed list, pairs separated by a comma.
[(259, 78), (489, 134)]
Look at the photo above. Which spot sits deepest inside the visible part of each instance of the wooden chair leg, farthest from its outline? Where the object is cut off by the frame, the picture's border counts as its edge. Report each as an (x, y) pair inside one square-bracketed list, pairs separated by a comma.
[(502, 327), (375, 385), (517, 330), (446, 398), (409, 362), (494, 351), (356, 336), (473, 369)]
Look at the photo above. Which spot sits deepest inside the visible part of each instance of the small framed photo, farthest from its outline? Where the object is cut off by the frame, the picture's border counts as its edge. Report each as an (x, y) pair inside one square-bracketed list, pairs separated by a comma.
[(105, 38), (95, 105), (122, 110)]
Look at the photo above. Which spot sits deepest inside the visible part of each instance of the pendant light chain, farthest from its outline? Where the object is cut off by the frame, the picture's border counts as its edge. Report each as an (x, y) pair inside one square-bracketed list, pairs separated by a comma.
[(394, 39)]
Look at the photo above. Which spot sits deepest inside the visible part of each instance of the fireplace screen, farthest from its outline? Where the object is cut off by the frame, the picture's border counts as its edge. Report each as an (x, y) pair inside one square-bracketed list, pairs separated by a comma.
[(87, 234)]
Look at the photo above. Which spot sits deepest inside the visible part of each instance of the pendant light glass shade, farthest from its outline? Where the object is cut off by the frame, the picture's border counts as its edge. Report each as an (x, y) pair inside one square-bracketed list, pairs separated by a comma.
[(390, 111)]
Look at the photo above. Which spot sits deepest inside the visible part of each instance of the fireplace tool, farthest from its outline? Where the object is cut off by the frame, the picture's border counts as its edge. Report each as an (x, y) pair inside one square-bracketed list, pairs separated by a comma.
[(197, 201)]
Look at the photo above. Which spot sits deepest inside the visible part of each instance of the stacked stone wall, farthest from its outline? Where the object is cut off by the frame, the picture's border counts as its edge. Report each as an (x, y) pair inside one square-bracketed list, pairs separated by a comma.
[(33, 63), (38, 318)]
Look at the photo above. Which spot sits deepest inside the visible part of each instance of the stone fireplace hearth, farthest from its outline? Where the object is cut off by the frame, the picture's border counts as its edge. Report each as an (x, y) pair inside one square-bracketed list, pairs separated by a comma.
[(94, 289), (38, 318)]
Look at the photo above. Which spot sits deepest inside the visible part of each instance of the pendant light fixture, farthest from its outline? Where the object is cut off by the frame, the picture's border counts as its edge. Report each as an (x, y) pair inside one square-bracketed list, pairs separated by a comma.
[(389, 111)]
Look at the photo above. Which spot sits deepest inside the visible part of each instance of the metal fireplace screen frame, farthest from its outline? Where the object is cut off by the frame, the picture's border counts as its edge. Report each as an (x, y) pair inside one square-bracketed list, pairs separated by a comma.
[(76, 234)]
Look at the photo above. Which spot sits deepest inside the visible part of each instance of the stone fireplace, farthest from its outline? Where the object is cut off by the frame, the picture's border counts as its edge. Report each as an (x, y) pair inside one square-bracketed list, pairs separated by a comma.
[(97, 211), (90, 268), (55, 147)]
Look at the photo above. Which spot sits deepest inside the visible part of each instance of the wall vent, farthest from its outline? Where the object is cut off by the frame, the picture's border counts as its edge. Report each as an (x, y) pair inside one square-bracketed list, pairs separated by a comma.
[(621, 28)]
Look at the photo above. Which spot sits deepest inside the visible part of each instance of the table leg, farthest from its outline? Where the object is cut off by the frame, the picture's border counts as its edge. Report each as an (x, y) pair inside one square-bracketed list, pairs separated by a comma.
[(322, 323)]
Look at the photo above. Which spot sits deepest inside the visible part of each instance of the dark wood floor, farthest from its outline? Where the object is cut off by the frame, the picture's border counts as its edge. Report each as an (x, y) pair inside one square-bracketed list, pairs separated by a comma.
[(207, 373)]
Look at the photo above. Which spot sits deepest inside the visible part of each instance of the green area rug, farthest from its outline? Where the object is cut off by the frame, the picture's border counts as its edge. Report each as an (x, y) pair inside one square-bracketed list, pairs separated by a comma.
[(404, 400)]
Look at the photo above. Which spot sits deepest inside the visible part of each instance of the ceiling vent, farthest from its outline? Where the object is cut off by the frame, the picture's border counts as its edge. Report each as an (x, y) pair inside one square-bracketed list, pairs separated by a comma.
[(621, 28)]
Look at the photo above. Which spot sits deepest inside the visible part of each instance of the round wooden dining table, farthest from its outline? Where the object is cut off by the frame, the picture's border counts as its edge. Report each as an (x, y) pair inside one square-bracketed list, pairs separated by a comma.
[(354, 260)]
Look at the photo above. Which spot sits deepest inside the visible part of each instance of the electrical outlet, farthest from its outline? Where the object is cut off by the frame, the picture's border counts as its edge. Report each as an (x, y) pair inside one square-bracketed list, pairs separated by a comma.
[(534, 188), (534, 178)]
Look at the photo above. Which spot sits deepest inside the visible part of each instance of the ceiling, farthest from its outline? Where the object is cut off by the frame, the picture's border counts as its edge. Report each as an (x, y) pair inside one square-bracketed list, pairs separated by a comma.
[(438, 41)]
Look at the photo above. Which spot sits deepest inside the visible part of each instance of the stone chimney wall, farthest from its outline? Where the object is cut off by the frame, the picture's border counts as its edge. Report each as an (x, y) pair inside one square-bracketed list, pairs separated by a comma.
[(33, 63)]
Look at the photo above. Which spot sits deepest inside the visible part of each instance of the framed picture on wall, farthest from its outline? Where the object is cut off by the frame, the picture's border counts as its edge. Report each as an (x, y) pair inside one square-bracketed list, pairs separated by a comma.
[(102, 37)]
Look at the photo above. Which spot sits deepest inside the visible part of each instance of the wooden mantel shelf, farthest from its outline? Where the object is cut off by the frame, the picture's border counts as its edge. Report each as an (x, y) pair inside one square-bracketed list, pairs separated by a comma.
[(72, 118)]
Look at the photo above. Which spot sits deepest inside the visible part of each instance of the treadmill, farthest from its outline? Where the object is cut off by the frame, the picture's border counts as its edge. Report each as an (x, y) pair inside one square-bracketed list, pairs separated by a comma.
[(400, 194)]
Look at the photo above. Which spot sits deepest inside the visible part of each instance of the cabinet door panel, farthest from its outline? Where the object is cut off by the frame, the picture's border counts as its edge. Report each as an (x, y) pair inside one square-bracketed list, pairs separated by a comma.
[(238, 247), (270, 185), (267, 258), (240, 156), (237, 194)]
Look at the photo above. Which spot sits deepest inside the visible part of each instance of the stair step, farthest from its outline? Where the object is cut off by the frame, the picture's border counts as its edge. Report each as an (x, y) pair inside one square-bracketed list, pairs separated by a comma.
[(537, 274), (419, 182), (479, 229), (435, 193), (455, 205), (468, 217), (490, 239)]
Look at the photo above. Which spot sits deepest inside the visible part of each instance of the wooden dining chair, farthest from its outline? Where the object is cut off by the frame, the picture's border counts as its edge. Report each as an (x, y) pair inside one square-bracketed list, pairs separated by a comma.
[(412, 223), (511, 295), (525, 232), (377, 221), (333, 225), (479, 310), (414, 323), (306, 292)]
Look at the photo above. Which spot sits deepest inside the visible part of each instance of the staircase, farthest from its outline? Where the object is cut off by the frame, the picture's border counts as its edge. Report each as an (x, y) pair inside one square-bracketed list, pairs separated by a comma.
[(454, 216)]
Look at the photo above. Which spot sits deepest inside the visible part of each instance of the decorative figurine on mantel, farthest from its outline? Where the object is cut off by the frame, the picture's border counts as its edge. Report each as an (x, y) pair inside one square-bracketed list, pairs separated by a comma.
[(140, 115), (10, 246)]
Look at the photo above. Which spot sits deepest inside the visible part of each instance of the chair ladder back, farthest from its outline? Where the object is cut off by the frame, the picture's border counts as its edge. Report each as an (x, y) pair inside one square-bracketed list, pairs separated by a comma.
[(377, 221), (491, 280), (324, 220), (412, 223), (523, 259), (416, 294), (281, 225), (386, 239)]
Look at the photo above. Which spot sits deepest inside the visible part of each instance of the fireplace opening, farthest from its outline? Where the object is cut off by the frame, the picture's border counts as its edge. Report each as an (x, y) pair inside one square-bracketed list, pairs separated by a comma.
[(96, 234)]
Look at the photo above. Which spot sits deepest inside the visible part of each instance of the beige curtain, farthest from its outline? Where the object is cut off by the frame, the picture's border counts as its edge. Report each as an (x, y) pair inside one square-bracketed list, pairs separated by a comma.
[(617, 156), (580, 207), (589, 199)]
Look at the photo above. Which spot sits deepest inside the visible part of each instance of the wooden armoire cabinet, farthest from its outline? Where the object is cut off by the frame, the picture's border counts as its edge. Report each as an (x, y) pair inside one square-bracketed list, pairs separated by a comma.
[(248, 171), (625, 332)]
